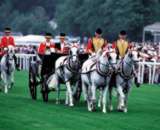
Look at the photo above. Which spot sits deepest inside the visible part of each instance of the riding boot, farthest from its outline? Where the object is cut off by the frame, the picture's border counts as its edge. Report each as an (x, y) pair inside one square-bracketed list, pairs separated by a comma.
[(16, 64)]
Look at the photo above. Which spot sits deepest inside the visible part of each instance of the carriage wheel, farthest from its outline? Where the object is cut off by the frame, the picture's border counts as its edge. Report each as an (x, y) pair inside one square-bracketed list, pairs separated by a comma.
[(44, 91), (32, 84)]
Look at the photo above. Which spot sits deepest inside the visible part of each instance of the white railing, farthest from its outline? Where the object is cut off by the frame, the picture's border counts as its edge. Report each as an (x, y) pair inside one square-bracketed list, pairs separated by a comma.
[(23, 60), (152, 66)]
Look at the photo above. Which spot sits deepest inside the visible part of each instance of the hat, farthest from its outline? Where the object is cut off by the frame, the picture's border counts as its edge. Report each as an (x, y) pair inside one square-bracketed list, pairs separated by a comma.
[(62, 35), (99, 31), (123, 32), (48, 35), (7, 29)]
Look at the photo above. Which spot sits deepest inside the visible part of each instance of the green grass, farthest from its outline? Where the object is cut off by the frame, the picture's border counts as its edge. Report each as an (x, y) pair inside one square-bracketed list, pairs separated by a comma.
[(19, 112)]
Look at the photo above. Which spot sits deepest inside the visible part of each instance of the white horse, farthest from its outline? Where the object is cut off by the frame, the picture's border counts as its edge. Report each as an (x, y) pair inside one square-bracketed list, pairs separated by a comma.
[(124, 80), (8, 68), (67, 71), (96, 75)]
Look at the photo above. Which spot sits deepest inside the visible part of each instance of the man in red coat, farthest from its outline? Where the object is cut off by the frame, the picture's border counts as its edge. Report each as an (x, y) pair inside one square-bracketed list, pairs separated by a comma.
[(6, 41), (62, 46), (46, 47)]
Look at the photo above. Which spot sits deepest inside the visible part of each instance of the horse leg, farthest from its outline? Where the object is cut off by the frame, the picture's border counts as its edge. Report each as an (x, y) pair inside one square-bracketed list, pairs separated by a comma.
[(4, 77), (100, 97), (121, 97), (93, 99), (58, 94), (126, 103), (104, 99), (86, 94), (126, 98), (12, 79), (67, 98), (69, 89), (57, 86), (89, 100), (110, 107), (84, 89)]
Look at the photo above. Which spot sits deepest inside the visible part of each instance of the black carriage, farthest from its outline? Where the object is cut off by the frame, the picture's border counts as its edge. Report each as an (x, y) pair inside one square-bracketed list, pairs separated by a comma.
[(47, 69)]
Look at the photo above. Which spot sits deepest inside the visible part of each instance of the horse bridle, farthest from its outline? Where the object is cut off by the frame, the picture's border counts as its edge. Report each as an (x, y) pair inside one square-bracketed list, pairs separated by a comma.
[(122, 74), (69, 66)]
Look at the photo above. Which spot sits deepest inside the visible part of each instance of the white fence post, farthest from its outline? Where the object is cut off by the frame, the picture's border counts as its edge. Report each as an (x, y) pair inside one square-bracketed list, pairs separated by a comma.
[(152, 71), (23, 60)]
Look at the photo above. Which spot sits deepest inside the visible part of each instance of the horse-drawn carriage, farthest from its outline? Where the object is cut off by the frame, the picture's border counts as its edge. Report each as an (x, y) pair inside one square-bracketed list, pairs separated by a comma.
[(42, 68)]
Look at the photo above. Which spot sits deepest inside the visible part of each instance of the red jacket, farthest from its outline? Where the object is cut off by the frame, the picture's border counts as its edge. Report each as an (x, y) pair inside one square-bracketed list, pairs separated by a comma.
[(6, 41), (42, 47)]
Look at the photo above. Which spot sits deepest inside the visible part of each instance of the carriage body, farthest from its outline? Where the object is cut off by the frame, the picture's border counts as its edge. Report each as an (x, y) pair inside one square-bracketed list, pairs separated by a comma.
[(47, 66)]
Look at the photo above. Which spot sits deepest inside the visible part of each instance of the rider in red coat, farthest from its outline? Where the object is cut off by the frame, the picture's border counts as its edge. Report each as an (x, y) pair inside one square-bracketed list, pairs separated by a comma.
[(6, 41)]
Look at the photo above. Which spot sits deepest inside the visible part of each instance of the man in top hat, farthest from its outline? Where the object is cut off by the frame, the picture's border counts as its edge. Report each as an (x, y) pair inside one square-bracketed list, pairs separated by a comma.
[(121, 45), (6, 41), (96, 43), (62, 47), (46, 47)]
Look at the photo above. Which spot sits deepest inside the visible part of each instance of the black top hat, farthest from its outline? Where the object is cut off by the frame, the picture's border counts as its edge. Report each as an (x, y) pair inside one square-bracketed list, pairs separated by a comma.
[(123, 32), (99, 31), (48, 35), (7, 29), (62, 34)]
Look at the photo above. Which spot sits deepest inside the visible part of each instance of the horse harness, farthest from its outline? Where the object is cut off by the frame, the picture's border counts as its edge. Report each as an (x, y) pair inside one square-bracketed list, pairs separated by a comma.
[(122, 73), (66, 63)]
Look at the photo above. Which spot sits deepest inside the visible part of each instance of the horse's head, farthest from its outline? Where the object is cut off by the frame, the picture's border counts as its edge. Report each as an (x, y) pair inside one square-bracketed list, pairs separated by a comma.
[(74, 53), (113, 55), (10, 51), (105, 58), (132, 56)]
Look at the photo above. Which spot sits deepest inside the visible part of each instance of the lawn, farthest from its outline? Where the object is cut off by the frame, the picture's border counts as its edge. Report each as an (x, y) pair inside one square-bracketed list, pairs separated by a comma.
[(19, 112)]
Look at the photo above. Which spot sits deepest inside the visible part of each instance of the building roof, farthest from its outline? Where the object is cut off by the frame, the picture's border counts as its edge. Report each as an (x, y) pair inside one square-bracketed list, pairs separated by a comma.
[(154, 28)]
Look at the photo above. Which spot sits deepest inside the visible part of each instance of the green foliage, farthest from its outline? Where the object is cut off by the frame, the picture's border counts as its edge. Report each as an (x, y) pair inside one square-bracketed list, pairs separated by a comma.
[(85, 16), (80, 17), (27, 17)]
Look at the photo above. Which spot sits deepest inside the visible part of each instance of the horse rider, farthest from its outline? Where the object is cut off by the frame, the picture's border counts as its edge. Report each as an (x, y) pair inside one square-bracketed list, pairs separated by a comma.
[(6, 41), (122, 45), (96, 42)]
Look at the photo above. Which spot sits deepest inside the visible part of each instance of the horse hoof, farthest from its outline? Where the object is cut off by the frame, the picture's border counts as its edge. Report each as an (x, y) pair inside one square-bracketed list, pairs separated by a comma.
[(6, 91), (104, 111), (71, 105), (125, 110), (99, 106), (57, 102), (110, 108), (12, 84), (120, 110)]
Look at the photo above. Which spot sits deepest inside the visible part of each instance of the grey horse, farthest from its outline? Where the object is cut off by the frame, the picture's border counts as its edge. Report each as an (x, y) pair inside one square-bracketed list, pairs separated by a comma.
[(67, 71), (7, 69), (123, 80), (96, 76)]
